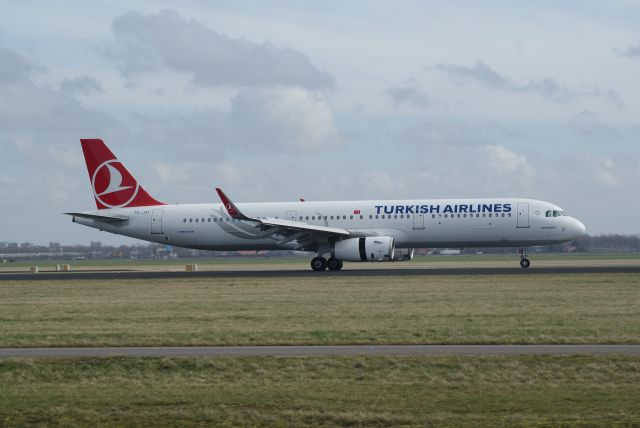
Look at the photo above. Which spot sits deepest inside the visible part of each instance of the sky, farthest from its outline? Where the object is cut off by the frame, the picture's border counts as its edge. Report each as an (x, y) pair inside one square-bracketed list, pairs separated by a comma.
[(325, 100)]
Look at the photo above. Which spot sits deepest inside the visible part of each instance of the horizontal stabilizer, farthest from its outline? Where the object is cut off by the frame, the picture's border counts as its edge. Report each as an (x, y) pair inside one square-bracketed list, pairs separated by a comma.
[(97, 217)]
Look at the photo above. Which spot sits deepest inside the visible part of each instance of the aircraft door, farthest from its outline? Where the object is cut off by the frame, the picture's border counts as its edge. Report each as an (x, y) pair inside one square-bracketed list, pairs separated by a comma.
[(291, 215), (523, 215), (156, 221), (418, 221)]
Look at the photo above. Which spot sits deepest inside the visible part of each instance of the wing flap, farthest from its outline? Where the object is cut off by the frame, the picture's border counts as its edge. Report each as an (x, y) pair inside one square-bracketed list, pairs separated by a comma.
[(296, 225)]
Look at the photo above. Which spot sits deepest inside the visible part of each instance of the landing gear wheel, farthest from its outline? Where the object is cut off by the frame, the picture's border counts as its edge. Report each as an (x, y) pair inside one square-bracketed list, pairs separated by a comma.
[(524, 261), (334, 264), (318, 263)]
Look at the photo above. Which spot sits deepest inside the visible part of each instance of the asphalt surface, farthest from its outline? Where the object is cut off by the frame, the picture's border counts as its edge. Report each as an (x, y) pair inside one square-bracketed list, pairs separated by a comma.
[(105, 274), (311, 351)]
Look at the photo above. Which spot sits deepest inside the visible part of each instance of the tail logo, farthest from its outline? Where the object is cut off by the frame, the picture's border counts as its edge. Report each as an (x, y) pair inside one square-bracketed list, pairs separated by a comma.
[(112, 184)]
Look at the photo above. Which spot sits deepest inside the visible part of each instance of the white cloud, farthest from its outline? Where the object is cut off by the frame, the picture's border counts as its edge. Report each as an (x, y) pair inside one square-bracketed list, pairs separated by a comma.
[(290, 119), (172, 173), (604, 171), (506, 161)]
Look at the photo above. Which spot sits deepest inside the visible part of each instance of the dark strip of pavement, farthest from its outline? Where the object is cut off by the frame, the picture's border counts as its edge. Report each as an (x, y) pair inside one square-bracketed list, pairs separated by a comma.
[(107, 275)]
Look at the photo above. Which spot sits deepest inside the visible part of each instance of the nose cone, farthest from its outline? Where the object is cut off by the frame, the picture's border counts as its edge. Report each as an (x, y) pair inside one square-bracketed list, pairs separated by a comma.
[(577, 228)]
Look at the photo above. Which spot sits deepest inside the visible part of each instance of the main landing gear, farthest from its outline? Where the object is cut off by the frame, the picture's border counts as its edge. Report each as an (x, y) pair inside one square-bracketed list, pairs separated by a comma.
[(524, 261), (320, 264)]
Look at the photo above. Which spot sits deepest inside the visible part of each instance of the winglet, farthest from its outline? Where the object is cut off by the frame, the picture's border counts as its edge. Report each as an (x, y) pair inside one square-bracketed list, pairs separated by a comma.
[(233, 211)]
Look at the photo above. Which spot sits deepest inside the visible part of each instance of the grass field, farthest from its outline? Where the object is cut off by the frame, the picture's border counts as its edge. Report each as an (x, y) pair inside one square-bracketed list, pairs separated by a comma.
[(354, 391), (591, 308), (302, 262), (324, 391)]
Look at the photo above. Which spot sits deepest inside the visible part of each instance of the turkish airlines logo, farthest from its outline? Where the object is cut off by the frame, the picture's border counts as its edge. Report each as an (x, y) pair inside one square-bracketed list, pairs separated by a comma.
[(112, 185)]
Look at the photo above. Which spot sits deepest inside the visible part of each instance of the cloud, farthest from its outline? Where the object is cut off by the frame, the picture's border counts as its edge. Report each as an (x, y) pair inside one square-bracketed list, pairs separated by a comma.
[(13, 67), (81, 84), (604, 170), (503, 160), (171, 173), (284, 118), (409, 93), (629, 52), (547, 88), (33, 108), (150, 43)]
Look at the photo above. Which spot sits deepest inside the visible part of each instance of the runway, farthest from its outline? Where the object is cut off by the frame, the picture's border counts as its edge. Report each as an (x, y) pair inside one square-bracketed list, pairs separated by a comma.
[(106, 274), (317, 351)]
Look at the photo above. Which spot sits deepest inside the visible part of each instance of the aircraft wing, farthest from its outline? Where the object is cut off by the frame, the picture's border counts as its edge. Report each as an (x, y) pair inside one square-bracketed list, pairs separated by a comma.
[(298, 225), (286, 231)]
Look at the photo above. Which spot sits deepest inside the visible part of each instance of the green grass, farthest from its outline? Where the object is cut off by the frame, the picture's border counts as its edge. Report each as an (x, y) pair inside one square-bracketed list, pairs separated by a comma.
[(327, 391), (508, 309)]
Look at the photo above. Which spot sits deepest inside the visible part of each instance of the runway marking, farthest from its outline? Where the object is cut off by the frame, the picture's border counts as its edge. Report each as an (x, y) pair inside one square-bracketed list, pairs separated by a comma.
[(315, 351), (89, 275)]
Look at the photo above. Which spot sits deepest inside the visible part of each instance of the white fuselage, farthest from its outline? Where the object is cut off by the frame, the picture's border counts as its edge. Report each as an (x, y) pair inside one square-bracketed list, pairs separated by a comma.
[(412, 223)]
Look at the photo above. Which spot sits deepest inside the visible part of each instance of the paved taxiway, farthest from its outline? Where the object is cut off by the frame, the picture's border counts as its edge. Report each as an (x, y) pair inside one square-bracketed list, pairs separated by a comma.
[(311, 351), (103, 274)]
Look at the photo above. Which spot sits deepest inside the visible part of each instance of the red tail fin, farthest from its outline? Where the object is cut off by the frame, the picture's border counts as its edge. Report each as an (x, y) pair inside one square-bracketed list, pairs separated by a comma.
[(113, 186)]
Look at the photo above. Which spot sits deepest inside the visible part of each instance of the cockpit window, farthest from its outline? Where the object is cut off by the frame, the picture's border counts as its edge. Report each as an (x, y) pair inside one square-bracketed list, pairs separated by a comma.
[(547, 214), (555, 213)]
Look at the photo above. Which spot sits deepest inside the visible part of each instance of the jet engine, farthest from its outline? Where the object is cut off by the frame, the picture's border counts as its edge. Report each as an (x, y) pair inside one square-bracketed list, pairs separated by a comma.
[(403, 254), (368, 249)]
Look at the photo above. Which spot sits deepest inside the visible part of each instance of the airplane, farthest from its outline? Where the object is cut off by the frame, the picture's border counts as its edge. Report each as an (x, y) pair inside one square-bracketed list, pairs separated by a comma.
[(337, 231)]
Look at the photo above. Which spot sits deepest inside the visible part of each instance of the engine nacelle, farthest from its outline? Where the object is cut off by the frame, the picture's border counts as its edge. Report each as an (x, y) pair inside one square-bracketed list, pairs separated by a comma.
[(403, 254), (369, 249)]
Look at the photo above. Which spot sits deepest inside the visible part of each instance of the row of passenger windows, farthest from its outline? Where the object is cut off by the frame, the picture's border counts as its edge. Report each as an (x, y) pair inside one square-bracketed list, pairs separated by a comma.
[(371, 217)]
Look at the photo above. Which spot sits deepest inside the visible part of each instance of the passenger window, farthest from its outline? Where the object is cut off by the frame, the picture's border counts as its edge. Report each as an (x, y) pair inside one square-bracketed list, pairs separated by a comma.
[(408, 216), (344, 217), (377, 216), (196, 220), (184, 220), (313, 217), (361, 217), (350, 217), (331, 217), (307, 218), (203, 220), (370, 216)]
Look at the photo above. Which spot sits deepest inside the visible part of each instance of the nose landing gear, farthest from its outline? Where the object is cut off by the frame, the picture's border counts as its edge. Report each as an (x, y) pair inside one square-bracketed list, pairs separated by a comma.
[(524, 261)]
